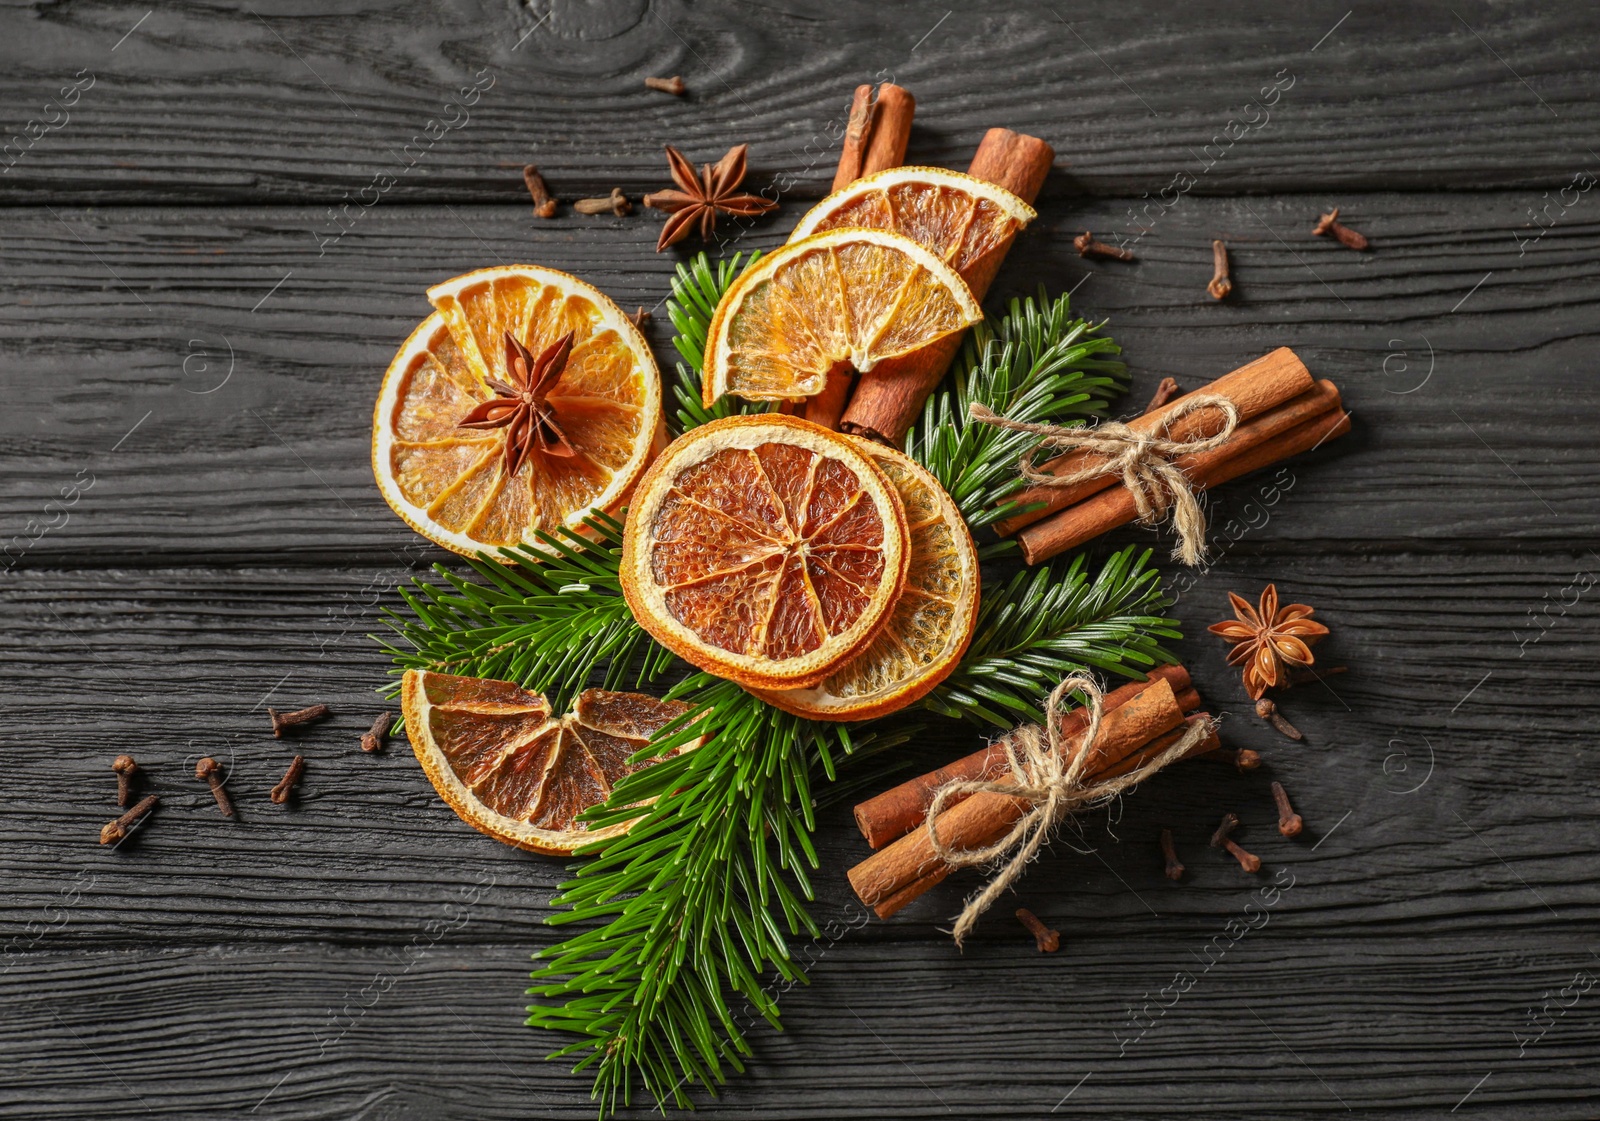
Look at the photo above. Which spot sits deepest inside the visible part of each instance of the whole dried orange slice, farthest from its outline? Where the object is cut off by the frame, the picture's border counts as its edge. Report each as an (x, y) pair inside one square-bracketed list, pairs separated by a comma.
[(765, 549), (510, 769), (527, 400), (930, 623), (968, 222), (843, 298)]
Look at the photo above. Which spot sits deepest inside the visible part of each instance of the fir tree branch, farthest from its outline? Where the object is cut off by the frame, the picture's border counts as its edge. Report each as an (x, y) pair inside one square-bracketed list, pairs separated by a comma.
[(1050, 622), (695, 905), (547, 623), (1036, 363), (696, 291)]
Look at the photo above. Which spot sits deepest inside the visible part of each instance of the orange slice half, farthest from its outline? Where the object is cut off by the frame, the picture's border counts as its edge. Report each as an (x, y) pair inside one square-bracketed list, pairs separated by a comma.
[(450, 483), (510, 769), (843, 298), (765, 549), (931, 622), (968, 222)]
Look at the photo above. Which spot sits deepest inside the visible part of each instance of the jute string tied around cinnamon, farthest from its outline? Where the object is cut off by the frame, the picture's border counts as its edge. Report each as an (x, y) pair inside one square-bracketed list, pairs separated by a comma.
[(1047, 771), (1143, 459)]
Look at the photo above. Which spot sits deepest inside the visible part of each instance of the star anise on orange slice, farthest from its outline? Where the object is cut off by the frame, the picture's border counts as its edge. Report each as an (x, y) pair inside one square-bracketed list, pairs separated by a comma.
[(521, 405), (700, 197), (1267, 638)]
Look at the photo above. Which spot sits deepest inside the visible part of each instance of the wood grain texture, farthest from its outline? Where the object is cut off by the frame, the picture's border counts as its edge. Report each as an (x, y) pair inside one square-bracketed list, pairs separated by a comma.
[(189, 341), (212, 371), (283, 103)]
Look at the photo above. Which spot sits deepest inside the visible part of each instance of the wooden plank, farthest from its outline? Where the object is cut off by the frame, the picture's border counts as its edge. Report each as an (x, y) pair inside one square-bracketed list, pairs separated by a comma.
[(1460, 349), (1453, 730), (1279, 1019), (284, 103)]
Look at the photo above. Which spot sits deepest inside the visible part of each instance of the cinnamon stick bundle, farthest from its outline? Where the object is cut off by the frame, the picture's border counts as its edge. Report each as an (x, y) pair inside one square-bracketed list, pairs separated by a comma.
[(1306, 423), (984, 818), (887, 402), (1137, 759), (1254, 389), (898, 811)]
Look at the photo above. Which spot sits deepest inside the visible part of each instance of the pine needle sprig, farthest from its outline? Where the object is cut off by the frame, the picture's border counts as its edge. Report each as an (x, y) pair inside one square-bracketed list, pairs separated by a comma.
[(696, 290), (691, 912), (1052, 621), (1036, 363), (549, 623)]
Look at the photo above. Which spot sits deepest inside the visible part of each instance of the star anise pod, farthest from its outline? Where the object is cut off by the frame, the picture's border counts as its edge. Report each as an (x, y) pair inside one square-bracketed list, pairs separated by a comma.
[(1267, 638), (699, 198), (522, 405)]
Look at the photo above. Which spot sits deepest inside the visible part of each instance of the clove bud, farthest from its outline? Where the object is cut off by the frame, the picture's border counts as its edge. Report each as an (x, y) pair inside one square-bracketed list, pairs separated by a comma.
[(1049, 941), (615, 203), (673, 85), (544, 204), (1220, 284)]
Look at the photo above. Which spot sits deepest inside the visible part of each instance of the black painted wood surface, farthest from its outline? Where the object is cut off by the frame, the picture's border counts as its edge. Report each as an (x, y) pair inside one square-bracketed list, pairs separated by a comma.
[(182, 339)]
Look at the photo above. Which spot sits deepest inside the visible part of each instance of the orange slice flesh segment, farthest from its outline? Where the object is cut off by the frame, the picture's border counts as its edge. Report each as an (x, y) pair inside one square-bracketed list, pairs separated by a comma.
[(968, 222), (931, 622), (843, 297), (765, 549), (510, 769), (450, 483)]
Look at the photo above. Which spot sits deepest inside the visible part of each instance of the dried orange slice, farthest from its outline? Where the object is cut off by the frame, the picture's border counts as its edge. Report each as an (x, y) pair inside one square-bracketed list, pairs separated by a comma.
[(840, 298), (968, 222), (510, 769), (765, 549), (930, 624), (472, 488)]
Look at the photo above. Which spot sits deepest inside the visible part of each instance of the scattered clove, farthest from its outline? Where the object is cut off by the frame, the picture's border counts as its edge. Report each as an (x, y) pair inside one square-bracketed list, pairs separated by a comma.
[(1049, 941), (209, 770), (1268, 711), (544, 204), (640, 317), (1087, 246), (113, 831), (126, 768), (282, 720), (1221, 840), (1289, 822), (1165, 392), (1220, 284), (378, 735), (1330, 224), (1174, 865), (673, 85), (615, 203), (291, 779)]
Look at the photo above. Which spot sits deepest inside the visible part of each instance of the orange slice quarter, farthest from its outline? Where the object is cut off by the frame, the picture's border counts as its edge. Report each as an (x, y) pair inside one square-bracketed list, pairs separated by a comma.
[(931, 622), (843, 297), (765, 549), (451, 483), (968, 222), (510, 769)]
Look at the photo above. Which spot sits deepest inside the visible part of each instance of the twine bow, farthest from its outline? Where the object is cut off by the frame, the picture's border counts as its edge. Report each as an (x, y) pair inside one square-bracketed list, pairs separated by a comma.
[(1143, 459), (1048, 772)]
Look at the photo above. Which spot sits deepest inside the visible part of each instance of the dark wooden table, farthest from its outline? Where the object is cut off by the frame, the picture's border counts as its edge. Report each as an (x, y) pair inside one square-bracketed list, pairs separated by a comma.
[(188, 344)]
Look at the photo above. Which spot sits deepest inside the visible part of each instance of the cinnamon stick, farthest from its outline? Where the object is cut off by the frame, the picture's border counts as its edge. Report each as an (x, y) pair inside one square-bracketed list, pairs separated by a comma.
[(898, 811), (875, 139), (1139, 758), (886, 402), (857, 131), (1254, 389), (1111, 508), (983, 818), (891, 129)]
